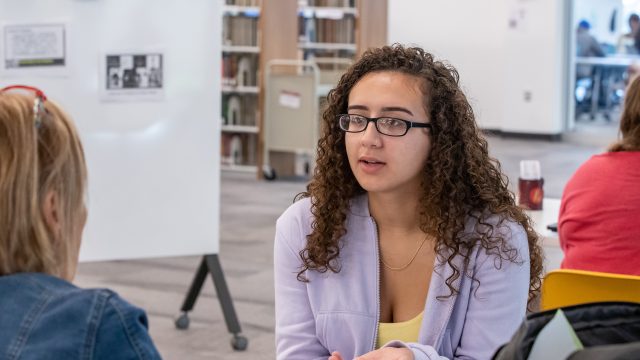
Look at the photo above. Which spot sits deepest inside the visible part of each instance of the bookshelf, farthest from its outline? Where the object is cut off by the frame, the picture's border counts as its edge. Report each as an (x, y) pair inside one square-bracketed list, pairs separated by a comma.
[(326, 28), (327, 32), (324, 34), (327, 35), (257, 31), (240, 85)]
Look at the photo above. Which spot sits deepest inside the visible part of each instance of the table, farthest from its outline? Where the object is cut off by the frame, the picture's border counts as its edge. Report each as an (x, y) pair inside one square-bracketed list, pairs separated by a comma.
[(550, 240), (623, 61), (600, 64)]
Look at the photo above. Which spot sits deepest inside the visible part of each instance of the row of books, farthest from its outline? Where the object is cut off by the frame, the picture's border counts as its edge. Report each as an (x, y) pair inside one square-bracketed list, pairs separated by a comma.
[(238, 149), (239, 69), (324, 3), (330, 3), (319, 3), (242, 2), (240, 30), (327, 30), (239, 110)]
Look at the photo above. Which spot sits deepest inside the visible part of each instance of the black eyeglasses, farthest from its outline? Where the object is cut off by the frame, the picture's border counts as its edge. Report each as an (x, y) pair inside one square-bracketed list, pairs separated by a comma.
[(385, 125), (38, 104)]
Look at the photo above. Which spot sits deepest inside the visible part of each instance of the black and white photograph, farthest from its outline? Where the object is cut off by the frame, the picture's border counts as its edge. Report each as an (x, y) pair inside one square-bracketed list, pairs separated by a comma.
[(133, 76), (139, 71)]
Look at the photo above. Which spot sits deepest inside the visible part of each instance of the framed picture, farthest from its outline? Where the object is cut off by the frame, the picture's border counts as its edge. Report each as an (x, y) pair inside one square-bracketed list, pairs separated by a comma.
[(34, 49)]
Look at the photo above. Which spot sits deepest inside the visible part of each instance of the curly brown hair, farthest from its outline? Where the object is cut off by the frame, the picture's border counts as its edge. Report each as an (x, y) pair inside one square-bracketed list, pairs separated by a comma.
[(464, 181)]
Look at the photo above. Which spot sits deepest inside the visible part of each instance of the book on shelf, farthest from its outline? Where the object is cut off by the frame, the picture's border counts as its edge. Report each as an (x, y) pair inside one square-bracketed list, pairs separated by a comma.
[(238, 149), (320, 30), (239, 110), (240, 31), (239, 69)]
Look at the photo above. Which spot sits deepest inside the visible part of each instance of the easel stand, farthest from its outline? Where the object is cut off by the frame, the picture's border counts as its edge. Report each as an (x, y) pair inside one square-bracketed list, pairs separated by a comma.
[(211, 264)]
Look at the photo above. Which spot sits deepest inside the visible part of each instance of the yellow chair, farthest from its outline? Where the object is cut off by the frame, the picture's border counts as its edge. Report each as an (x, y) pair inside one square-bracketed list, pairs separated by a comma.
[(566, 287)]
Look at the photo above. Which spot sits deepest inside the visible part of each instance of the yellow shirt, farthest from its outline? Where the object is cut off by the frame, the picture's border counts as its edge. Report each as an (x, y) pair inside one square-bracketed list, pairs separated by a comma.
[(406, 331)]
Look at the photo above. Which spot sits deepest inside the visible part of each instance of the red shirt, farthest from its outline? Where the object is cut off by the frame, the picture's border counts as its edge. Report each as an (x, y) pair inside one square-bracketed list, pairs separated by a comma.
[(599, 223)]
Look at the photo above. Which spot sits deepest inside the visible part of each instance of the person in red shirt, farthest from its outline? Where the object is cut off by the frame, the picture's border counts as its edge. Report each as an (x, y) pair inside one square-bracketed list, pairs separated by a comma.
[(599, 222)]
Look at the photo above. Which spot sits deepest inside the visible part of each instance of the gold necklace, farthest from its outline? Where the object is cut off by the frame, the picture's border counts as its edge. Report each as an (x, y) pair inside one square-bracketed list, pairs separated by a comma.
[(407, 264)]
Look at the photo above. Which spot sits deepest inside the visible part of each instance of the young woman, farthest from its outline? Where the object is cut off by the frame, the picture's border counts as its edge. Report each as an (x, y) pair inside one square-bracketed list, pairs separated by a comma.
[(598, 222), (42, 215), (407, 243)]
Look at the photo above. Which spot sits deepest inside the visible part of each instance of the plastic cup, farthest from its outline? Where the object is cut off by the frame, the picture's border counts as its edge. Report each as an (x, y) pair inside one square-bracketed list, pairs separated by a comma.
[(530, 185)]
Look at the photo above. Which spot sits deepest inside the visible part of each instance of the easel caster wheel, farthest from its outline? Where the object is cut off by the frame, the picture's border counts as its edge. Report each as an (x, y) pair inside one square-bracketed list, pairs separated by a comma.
[(239, 343), (182, 322), (269, 173)]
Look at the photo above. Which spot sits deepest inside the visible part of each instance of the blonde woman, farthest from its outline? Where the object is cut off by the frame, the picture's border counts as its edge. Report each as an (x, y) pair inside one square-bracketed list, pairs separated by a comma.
[(42, 215)]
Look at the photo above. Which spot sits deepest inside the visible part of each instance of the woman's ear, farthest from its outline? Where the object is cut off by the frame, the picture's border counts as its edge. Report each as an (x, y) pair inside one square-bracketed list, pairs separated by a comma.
[(51, 215)]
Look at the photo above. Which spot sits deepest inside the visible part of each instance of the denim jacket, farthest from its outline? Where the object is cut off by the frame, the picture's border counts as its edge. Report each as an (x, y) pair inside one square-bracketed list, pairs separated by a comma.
[(341, 311), (45, 317)]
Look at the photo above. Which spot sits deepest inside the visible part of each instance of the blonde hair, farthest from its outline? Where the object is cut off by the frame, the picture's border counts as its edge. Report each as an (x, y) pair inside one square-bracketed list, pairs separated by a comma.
[(630, 120), (34, 161)]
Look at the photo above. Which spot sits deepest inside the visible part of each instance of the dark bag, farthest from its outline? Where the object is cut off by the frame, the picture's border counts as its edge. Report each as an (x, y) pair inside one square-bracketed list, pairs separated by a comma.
[(630, 351), (607, 331)]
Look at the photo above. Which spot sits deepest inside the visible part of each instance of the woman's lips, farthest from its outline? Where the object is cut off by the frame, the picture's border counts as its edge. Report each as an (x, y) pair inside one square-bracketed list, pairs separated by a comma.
[(370, 165)]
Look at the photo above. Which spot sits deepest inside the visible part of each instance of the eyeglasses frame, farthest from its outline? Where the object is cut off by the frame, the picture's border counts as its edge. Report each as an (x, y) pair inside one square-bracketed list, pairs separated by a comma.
[(410, 124)]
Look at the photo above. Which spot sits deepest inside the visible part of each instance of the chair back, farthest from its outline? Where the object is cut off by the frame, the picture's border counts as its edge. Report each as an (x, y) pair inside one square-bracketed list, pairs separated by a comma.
[(565, 287)]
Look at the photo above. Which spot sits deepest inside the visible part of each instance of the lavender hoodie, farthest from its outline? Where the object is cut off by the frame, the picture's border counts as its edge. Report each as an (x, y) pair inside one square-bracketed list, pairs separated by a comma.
[(341, 311)]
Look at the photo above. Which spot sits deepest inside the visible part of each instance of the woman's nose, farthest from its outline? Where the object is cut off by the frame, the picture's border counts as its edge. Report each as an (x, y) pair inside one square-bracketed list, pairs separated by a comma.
[(371, 137)]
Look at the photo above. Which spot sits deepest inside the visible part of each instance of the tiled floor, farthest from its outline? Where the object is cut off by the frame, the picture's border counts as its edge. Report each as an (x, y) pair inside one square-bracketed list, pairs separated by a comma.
[(249, 209)]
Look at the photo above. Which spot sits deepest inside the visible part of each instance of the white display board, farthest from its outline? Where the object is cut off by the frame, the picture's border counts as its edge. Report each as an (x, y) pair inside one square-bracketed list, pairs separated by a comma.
[(152, 147)]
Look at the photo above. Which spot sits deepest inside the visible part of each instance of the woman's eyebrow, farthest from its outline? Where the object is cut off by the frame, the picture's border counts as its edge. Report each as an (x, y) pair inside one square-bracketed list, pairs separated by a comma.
[(397, 108), (357, 107), (384, 109)]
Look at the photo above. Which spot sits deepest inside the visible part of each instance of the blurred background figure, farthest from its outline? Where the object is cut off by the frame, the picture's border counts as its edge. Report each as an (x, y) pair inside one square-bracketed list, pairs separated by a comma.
[(586, 46), (627, 43)]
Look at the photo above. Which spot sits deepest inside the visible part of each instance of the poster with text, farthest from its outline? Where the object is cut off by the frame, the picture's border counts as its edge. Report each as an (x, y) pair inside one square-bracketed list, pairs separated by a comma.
[(132, 77), (34, 49)]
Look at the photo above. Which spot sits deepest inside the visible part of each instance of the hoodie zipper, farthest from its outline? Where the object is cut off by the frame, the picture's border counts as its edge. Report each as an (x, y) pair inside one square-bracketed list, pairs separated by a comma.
[(378, 279)]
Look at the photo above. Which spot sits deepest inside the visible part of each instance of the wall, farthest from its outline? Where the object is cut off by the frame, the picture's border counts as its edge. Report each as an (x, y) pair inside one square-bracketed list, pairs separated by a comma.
[(535, 69), (497, 63)]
